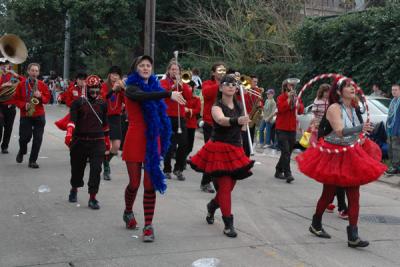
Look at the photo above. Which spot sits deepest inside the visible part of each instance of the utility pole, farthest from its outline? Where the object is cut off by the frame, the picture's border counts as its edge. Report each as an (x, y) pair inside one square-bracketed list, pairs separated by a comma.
[(67, 46), (150, 28)]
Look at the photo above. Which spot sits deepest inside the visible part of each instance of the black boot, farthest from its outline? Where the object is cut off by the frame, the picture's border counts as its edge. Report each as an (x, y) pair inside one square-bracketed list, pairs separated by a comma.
[(316, 228), (353, 239), (212, 206), (229, 229)]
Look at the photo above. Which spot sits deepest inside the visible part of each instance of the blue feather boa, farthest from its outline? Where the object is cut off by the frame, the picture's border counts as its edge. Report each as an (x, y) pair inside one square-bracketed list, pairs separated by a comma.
[(158, 125)]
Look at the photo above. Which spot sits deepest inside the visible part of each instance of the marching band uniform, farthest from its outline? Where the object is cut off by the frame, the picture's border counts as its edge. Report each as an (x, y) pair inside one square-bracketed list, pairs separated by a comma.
[(193, 108), (31, 125), (114, 100), (87, 137)]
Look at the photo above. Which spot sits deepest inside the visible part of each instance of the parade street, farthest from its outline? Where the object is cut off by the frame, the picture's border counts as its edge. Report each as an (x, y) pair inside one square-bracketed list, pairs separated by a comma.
[(39, 227)]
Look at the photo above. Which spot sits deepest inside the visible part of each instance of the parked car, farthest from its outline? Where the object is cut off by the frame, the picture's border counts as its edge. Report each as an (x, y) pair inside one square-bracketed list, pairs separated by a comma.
[(378, 109)]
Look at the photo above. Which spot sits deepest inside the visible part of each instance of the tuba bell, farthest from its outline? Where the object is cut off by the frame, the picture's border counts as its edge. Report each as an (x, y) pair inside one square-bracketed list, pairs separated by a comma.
[(186, 76), (13, 49)]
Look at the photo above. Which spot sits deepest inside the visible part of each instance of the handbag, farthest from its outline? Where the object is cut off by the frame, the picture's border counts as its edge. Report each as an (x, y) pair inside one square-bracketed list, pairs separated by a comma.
[(305, 139)]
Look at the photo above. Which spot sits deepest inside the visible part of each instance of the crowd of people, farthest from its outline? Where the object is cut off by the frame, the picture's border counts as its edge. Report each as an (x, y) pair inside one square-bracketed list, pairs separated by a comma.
[(154, 122)]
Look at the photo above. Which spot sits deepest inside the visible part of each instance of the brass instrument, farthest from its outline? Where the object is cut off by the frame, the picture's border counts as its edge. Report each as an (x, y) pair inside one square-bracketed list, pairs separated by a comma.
[(33, 102), (12, 49), (179, 131), (186, 76)]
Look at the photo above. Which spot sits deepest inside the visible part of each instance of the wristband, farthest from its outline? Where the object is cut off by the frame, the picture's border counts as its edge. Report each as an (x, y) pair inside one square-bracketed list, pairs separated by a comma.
[(234, 121)]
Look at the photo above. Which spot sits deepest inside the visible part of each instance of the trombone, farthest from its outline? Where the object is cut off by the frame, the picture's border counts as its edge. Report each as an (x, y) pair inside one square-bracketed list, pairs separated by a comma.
[(179, 131)]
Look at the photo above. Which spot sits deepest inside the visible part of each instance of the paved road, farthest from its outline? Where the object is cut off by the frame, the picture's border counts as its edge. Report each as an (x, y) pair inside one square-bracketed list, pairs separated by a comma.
[(272, 219)]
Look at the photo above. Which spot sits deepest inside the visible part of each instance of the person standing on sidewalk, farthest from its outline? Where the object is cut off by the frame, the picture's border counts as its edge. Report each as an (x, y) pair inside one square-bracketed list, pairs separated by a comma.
[(147, 140), (223, 156), (31, 95), (88, 138), (210, 91), (286, 123), (112, 91), (393, 131), (176, 113), (268, 116)]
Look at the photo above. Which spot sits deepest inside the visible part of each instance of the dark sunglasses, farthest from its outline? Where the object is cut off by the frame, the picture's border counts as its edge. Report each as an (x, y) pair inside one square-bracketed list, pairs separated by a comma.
[(229, 84)]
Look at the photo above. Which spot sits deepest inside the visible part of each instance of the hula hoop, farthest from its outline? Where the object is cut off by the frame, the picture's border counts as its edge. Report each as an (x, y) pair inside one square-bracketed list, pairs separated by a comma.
[(363, 99)]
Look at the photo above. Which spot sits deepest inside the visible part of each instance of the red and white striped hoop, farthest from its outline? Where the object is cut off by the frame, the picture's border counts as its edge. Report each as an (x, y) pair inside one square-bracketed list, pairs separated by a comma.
[(358, 90)]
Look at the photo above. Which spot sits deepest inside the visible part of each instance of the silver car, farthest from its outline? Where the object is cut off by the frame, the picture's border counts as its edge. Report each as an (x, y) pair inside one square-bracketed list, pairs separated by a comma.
[(378, 109)]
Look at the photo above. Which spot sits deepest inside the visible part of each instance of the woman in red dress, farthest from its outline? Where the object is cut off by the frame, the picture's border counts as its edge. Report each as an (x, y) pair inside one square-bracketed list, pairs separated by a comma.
[(223, 157), (144, 144), (340, 160)]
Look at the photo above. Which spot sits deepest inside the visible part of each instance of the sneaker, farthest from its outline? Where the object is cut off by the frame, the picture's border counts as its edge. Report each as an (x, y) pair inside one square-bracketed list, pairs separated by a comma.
[(331, 207), (392, 171), (73, 197), (289, 178), (343, 214), (266, 146), (4, 151), (20, 157), (130, 220), (208, 188), (168, 175), (148, 233), (33, 165), (319, 232), (106, 176), (179, 175), (279, 175), (93, 204)]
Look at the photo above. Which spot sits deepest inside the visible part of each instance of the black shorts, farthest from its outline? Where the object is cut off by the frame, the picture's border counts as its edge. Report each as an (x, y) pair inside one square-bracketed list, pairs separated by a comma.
[(115, 127)]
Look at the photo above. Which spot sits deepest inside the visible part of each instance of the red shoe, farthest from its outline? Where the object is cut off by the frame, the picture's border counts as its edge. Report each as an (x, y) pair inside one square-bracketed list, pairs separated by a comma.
[(331, 207), (343, 214)]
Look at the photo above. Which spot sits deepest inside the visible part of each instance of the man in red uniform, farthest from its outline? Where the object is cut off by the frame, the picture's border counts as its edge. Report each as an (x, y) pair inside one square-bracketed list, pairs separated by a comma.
[(177, 118), (30, 97), (286, 123), (210, 91), (7, 108), (192, 110), (112, 92), (76, 89)]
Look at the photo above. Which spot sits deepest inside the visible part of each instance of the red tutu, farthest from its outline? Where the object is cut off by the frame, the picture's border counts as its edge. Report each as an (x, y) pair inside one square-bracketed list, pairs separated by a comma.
[(357, 166), (222, 159), (62, 123)]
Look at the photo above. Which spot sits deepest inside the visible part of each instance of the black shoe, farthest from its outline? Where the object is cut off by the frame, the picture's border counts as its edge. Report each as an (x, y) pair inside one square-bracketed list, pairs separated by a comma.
[(212, 206), (289, 178), (168, 175), (279, 175), (317, 229), (20, 157), (229, 229), (106, 176), (4, 151), (392, 171), (33, 165), (73, 197), (208, 188), (179, 175), (94, 204), (354, 240)]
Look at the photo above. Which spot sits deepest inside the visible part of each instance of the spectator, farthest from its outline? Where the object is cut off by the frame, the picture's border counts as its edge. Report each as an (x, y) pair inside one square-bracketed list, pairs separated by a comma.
[(196, 78), (268, 116), (377, 91), (393, 131)]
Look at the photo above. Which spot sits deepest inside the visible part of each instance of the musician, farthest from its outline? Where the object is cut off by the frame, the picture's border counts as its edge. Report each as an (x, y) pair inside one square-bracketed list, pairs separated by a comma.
[(146, 141), (178, 139), (31, 95), (7, 107), (286, 128), (112, 92), (76, 89), (210, 91), (192, 110), (87, 137)]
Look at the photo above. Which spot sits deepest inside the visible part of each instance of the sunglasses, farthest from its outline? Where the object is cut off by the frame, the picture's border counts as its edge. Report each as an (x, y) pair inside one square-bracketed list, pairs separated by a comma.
[(230, 84)]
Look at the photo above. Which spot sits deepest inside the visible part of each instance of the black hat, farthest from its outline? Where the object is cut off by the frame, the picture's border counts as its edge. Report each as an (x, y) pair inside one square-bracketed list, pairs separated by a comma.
[(229, 78), (115, 69), (81, 76), (139, 59)]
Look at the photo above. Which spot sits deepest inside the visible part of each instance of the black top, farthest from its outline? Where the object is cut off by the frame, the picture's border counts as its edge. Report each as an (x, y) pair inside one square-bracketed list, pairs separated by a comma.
[(133, 92), (86, 122), (228, 134), (325, 127)]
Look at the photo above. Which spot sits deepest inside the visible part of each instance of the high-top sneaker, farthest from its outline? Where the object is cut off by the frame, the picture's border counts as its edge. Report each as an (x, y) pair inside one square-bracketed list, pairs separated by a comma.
[(229, 229), (148, 233), (354, 240), (129, 220), (316, 228), (212, 206)]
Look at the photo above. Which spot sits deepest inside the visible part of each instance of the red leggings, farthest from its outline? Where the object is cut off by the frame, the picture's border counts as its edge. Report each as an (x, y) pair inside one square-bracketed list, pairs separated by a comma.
[(353, 196), (149, 196), (223, 197)]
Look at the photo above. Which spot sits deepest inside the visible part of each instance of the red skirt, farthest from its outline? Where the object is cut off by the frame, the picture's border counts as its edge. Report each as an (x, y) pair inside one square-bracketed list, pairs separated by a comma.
[(357, 166), (62, 123), (222, 159)]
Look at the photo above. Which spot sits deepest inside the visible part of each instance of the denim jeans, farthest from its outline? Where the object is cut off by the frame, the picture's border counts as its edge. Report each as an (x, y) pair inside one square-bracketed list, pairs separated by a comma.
[(265, 126)]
